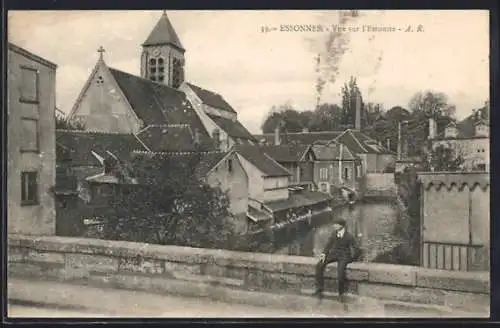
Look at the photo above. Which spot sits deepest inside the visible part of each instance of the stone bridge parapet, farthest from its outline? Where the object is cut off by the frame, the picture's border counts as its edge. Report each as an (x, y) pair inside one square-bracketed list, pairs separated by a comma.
[(195, 271)]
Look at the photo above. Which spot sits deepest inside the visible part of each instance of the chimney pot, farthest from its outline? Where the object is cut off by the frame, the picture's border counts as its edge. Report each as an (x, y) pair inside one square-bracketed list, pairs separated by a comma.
[(357, 124), (277, 139), (197, 136)]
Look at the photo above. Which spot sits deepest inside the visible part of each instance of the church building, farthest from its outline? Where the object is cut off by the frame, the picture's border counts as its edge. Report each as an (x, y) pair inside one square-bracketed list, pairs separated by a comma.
[(163, 110)]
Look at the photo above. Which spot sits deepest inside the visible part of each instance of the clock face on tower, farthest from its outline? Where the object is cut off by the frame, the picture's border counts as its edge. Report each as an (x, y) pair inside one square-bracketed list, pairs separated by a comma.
[(156, 52)]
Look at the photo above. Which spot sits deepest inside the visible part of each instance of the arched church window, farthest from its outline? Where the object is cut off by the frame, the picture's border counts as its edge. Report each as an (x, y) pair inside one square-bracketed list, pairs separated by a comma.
[(156, 69), (176, 73), (161, 67)]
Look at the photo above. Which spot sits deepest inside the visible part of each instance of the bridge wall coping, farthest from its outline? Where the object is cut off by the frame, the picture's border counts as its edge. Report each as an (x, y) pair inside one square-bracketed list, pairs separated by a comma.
[(68, 258)]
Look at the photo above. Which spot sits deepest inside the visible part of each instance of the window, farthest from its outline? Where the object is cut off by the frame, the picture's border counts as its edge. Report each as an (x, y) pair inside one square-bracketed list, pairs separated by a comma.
[(29, 188), (156, 69), (323, 187), (29, 135), (29, 84), (346, 173), (177, 74), (323, 173), (100, 80), (230, 165), (481, 167)]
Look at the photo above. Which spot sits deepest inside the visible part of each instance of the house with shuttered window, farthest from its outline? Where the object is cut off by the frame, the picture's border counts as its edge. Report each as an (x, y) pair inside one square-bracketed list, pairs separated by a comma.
[(31, 172)]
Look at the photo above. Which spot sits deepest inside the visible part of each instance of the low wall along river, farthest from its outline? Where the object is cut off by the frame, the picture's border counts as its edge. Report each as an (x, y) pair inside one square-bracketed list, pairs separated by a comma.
[(234, 276)]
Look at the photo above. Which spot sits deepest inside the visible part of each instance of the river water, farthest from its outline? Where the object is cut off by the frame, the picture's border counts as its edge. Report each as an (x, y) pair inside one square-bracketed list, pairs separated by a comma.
[(375, 224)]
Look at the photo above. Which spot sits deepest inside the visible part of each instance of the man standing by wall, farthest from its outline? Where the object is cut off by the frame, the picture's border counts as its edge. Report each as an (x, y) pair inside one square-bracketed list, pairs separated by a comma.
[(341, 248)]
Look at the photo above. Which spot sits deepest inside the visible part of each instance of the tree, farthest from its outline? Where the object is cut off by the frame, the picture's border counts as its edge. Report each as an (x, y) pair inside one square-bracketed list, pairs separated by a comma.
[(432, 104), (326, 117), (444, 158), (292, 120), (350, 93), (169, 205)]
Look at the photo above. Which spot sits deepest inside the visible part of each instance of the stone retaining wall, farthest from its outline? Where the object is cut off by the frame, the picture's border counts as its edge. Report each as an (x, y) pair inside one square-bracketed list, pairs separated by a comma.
[(144, 266)]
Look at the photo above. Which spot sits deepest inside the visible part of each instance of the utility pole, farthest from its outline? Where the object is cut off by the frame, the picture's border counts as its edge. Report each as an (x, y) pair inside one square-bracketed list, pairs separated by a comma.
[(399, 141)]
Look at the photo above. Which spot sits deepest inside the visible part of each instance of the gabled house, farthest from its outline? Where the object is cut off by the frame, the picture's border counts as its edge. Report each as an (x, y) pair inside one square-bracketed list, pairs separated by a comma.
[(297, 159), (115, 101), (273, 202), (375, 157), (469, 138), (30, 124), (335, 167)]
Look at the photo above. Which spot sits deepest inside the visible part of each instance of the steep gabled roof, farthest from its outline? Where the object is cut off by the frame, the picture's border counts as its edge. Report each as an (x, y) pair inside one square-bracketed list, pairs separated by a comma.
[(163, 33), (158, 104), (334, 151), (232, 127), (305, 138), (32, 56), (78, 146), (286, 153), (263, 162), (168, 138), (211, 99), (360, 143), (206, 160)]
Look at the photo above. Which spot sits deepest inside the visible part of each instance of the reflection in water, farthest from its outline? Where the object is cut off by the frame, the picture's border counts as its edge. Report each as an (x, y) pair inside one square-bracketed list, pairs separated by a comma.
[(374, 224)]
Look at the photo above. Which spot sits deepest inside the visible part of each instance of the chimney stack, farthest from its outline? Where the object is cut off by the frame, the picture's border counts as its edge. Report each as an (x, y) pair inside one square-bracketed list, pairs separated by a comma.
[(197, 136), (216, 138), (277, 140), (432, 128), (357, 124)]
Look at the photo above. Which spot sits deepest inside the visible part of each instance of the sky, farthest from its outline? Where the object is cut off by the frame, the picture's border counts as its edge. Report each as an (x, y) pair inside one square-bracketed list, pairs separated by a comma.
[(227, 52)]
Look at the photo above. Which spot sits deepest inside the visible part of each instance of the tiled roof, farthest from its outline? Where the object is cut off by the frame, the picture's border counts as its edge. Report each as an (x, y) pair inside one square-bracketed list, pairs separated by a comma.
[(305, 138), (360, 143), (169, 138), (211, 99), (80, 144), (207, 160), (156, 103), (286, 153), (233, 128), (163, 33), (263, 162), (298, 199), (356, 141), (466, 127), (32, 56), (333, 151)]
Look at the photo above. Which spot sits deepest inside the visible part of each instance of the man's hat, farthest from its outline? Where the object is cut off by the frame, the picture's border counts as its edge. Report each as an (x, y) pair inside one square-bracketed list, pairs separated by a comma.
[(339, 221)]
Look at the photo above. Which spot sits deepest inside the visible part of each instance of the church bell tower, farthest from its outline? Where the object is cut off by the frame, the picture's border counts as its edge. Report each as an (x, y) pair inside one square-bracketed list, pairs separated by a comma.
[(162, 58)]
